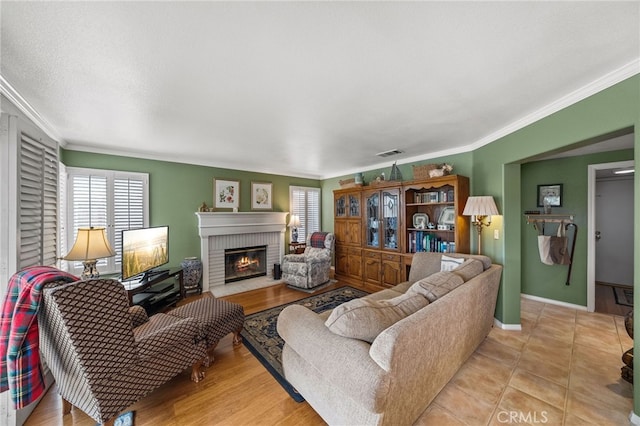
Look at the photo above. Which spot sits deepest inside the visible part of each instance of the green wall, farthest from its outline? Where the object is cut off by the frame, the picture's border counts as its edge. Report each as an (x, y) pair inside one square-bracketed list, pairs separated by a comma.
[(548, 281), (176, 191), (496, 170)]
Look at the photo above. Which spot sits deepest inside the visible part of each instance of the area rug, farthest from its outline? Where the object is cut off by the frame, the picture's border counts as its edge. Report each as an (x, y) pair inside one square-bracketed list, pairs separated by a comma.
[(313, 290), (623, 295), (260, 336)]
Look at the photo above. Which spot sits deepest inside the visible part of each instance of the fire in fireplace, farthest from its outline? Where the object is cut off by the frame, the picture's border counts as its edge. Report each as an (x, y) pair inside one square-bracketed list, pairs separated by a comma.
[(245, 262)]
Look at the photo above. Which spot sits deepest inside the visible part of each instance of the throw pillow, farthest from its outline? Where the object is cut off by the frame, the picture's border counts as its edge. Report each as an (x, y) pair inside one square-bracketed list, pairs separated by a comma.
[(450, 263), (469, 269), (364, 318), (436, 285)]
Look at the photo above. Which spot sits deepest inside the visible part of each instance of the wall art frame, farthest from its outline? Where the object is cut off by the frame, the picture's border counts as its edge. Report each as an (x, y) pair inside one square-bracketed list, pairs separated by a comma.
[(552, 193), (261, 196), (226, 193)]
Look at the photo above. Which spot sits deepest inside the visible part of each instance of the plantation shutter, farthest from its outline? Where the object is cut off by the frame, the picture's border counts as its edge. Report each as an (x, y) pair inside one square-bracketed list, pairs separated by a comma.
[(38, 203), (305, 202), (128, 209), (105, 198)]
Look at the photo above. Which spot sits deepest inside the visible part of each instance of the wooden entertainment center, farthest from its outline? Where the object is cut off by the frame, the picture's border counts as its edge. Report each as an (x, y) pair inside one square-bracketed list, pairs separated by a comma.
[(159, 292), (378, 227)]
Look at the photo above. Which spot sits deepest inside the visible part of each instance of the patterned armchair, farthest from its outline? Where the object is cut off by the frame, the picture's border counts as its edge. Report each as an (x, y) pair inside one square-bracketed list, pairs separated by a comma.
[(104, 355), (310, 269)]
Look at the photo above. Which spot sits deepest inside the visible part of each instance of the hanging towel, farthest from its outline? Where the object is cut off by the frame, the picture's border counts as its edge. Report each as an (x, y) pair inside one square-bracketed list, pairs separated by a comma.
[(558, 247), (544, 246)]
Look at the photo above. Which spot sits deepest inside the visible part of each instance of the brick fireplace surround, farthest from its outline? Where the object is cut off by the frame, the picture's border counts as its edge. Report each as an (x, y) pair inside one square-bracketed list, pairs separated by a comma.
[(225, 230)]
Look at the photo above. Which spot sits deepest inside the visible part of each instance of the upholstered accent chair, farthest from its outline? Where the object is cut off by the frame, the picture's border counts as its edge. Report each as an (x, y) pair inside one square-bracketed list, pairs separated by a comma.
[(311, 268), (103, 354)]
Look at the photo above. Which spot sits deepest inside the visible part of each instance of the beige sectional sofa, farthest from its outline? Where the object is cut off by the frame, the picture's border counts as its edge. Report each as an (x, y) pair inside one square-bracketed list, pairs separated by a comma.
[(351, 375)]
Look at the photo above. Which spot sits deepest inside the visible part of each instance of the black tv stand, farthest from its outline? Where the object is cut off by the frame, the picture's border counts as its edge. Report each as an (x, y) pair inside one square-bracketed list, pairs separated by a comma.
[(159, 291)]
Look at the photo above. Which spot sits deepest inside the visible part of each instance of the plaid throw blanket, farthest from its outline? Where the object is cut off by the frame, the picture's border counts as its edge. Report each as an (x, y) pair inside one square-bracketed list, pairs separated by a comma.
[(20, 369), (317, 239)]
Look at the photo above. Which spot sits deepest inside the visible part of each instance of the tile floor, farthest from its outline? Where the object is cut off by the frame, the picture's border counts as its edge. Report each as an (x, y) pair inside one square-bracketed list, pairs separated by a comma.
[(563, 368)]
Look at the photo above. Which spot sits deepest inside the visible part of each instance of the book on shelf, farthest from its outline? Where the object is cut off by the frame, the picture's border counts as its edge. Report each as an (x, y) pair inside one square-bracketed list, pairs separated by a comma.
[(425, 241)]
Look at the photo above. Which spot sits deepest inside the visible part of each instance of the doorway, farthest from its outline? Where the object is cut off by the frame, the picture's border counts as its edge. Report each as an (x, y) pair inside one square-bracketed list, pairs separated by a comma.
[(610, 238)]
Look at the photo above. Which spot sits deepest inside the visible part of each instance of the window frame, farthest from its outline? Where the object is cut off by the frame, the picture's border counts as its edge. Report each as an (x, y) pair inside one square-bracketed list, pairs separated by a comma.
[(111, 265), (306, 222)]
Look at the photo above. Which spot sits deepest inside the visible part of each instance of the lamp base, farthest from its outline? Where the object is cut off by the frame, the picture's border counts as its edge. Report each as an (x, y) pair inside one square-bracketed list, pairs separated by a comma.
[(294, 235), (90, 269)]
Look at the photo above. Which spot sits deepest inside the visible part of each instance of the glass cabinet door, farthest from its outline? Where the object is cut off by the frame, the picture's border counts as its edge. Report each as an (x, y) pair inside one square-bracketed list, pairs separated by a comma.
[(354, 205), (372, 220), (341, 206), (390, 212)]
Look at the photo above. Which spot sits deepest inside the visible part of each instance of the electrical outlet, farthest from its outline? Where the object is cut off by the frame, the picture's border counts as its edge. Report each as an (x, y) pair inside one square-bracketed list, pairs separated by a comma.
[(496, 234)]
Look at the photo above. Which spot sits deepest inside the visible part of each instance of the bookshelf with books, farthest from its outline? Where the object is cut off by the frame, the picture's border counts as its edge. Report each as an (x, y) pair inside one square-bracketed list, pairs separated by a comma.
[(433, 215)]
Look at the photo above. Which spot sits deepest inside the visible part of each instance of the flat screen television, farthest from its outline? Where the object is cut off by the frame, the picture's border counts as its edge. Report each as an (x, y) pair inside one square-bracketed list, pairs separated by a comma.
[(144, 250)]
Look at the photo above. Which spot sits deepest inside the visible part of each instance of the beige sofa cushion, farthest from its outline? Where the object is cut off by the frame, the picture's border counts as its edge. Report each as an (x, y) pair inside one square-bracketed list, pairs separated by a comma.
[(365, 318), (469, 269), (436, 285)]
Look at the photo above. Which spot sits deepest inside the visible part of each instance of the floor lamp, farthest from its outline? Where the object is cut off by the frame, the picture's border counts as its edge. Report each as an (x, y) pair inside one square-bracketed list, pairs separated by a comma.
[(480, 209)]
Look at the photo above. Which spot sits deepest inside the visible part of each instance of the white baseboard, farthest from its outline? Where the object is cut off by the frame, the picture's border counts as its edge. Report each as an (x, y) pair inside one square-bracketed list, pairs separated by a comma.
[(634, 419), (554, 302), (509, 327)]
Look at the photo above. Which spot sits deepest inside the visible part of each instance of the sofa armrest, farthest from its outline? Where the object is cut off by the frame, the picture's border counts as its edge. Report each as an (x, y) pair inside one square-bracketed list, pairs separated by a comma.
[(164, 336), (344, 362), (294, 258), (138, 315)]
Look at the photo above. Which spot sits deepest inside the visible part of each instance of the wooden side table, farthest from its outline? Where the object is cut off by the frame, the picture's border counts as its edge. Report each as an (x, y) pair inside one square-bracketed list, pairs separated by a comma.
[(297, 248)]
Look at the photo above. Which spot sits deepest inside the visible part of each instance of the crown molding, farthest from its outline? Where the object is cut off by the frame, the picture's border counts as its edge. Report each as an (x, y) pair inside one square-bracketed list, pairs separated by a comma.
[(602, 83), (191, 160), (25, 107)]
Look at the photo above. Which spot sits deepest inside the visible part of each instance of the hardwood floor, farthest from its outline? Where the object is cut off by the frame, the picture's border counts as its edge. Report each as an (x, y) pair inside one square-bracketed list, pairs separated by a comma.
[(606, 302), (564, 364)]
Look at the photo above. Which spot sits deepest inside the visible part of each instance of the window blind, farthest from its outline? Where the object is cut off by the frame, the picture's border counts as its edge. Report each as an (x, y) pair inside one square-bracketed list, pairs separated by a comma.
[(111, 199), (305, 202)]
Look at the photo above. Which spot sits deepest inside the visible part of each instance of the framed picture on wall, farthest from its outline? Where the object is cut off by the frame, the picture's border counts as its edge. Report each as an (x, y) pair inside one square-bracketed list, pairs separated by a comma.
[(550, 195), (261, 196), (226, 193)]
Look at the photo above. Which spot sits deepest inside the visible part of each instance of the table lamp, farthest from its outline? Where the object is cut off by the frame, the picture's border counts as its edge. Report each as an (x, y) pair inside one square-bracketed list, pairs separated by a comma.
[(480, 209), (91, 244), (294, 222)]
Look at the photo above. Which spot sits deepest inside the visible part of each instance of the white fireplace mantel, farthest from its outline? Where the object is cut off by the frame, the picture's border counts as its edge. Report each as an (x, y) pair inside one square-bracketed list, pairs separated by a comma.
[(214, 227)]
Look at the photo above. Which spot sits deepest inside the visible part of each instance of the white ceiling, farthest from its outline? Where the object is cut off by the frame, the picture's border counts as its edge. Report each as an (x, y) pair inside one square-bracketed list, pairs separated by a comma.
[(311, 89)]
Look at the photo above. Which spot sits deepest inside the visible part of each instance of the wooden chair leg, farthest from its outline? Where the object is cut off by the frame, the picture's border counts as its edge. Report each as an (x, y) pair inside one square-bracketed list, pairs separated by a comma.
[(237, 338), (197, 373), (66, 406)]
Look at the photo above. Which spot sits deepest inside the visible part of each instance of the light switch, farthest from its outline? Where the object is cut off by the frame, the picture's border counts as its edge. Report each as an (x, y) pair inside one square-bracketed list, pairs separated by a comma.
[(496, 234)]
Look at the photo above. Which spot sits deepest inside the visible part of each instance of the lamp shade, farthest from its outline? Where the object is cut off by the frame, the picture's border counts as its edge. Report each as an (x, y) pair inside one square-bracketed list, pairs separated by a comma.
[(480, 206), (294, 221), (91, 243)]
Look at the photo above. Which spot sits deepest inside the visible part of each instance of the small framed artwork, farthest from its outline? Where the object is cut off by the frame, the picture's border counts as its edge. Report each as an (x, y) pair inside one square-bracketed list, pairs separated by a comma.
[(261, 196), (226, 193), (550, 195)]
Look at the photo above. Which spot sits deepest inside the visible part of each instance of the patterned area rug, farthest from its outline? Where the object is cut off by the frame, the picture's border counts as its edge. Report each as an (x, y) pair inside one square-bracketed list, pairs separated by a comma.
[(623, 295), (261, 338)]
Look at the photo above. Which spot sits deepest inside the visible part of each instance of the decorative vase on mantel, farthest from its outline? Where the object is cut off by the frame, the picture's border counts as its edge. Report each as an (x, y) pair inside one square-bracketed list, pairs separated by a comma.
[(192, 273)]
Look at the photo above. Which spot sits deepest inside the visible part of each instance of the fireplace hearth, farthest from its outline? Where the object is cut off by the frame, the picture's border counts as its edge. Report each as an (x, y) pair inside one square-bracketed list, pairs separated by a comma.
[(245, 262)]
